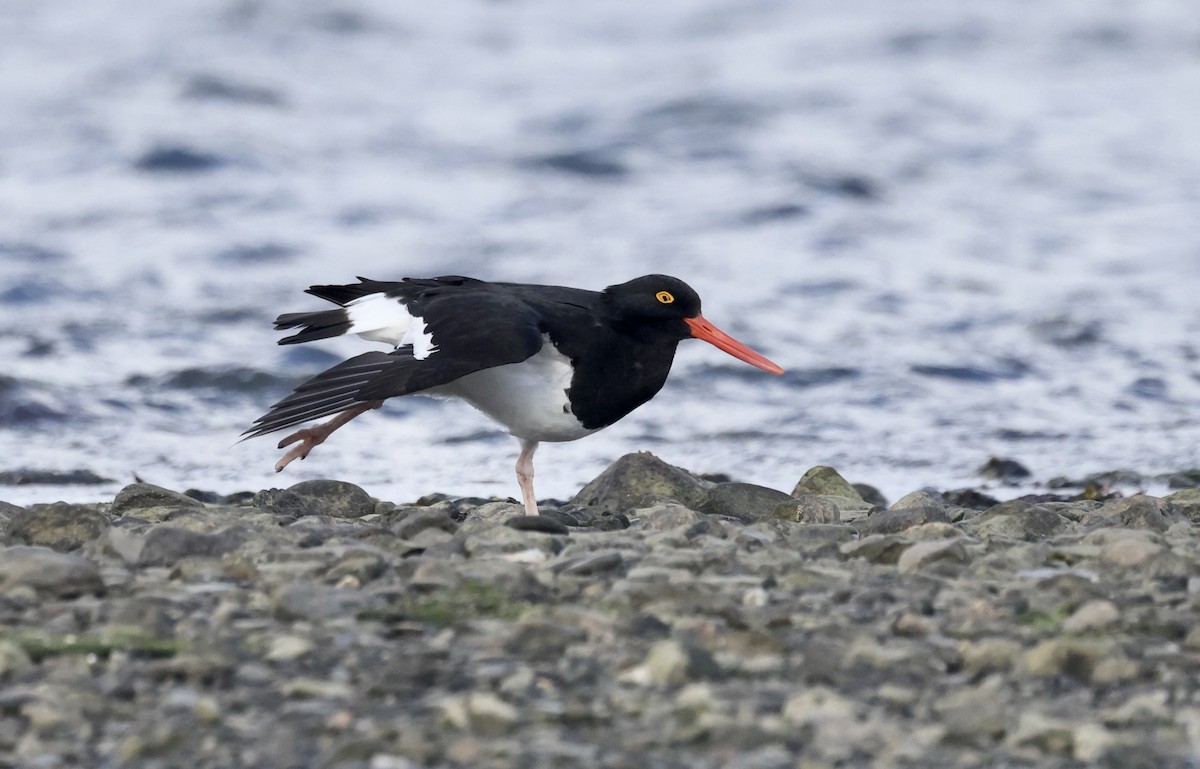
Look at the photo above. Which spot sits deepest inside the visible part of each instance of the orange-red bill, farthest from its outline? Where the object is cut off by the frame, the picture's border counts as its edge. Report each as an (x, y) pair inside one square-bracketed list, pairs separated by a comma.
[(702, 329)]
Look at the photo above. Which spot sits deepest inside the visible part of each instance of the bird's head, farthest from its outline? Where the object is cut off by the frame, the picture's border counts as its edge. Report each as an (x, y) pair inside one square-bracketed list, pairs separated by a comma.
[(671, 307)]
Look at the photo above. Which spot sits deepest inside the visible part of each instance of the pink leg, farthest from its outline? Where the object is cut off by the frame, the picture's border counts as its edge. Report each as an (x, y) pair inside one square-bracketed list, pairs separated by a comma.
[(525, 475), (311, 437)]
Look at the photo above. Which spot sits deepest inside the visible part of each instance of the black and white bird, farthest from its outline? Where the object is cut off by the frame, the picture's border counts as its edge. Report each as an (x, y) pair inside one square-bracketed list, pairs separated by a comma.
[(549, 363)]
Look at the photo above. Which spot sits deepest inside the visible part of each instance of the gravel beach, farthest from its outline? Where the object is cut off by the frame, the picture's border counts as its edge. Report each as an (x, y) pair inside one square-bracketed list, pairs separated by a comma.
[(658, 619)]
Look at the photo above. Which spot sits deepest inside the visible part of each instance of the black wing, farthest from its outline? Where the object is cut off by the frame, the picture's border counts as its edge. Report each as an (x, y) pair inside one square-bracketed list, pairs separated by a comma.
[(471, 331)]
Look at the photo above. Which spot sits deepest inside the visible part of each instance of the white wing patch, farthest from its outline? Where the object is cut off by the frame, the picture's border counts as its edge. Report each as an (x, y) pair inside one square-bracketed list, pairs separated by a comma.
[(421, 339), (383, 318)]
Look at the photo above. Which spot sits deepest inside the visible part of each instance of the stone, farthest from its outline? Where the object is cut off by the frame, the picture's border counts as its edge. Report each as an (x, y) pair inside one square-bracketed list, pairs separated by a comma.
[(666, 516), (1096, 614), (820, 539), (543, 523), (481, 713), (286, 648), (137, 496), (917, 500), (746, 502), (1087, 660), (60, 526), (303, 600), (989, 655), (826, 482), (166, 544), (421, 519), (923, 555), (976, 715), (899, 519), (808, 508), (1140, 511), (1044, 733), (818, 704), (1129, 553), (639, 480), (1187, 502), (671, 662), (48, 572), (877, 548), (1016, 520), (337, 499), (14, 661), (1003, 469)]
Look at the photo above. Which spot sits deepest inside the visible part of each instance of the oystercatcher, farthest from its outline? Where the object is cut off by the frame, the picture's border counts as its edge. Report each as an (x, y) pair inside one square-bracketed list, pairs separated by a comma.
[(549, 363)]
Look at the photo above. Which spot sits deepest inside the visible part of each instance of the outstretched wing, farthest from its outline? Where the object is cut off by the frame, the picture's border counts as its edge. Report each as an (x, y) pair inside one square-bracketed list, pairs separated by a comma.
[(462, 332)]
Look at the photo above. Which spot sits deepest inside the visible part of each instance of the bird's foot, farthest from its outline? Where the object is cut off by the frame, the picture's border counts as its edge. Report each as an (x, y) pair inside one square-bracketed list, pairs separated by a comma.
[(309, 438)]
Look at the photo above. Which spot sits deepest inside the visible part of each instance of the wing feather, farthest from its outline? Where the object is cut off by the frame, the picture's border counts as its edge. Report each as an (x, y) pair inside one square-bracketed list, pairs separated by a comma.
[(472, 331)]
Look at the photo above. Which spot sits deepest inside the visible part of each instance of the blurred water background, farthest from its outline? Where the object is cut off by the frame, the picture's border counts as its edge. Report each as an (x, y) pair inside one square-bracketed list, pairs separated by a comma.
[(966, 229)]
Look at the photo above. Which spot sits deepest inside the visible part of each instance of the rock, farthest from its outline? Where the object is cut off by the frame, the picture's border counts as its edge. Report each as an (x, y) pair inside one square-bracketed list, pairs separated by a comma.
[(165, 544), (480, 539), (48, 572), (420, 520), (540, 523), (1016, 520), (337, 499), (743, 501), (870, 494), (825, 482), (14, 661), (286, 648), (1090, 661), (808, 508), (917, 500), (590, 563), (969, 499), (639, 480), (494, 512), (59, 526), (1140, 512), (137, 496), (666, 516), (360, 564), (977, 715), (1000, 469), (1187, 502), (303, 600), (989, 655), (819, 540), (896, 520), (1043, 733), (1097, 614), (1129, 552), (818, 704), (481, 713), (671, 663), (923, 555), (877, 548)]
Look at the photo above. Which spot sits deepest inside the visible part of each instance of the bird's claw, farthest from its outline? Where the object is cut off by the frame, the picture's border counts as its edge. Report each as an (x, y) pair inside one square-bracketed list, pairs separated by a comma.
[(309, 439)]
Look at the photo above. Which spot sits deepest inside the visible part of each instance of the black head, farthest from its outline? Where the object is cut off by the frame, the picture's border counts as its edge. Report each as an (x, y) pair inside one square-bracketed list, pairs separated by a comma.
[(655, 298), (660, 309)]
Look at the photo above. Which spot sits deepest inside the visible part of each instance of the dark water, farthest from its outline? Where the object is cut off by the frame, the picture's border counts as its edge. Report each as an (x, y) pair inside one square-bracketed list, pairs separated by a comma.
[(965, 229)]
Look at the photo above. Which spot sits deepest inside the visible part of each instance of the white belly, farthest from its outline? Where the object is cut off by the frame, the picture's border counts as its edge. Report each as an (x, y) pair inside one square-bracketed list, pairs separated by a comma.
[(528, 398)]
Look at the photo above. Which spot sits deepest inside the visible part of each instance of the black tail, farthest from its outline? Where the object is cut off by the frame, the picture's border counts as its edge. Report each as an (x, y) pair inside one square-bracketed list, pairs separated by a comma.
[(324, 324), (316, 325)]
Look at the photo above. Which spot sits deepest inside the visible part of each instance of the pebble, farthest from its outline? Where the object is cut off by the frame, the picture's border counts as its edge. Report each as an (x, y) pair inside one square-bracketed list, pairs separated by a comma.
[(317, 626)]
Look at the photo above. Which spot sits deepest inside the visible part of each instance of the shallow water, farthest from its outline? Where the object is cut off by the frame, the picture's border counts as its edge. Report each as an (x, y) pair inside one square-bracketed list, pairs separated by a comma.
[(965, 229)]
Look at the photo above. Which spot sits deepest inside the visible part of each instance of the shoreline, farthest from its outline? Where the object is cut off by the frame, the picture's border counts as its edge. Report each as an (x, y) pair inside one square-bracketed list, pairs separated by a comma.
[(711, 624)]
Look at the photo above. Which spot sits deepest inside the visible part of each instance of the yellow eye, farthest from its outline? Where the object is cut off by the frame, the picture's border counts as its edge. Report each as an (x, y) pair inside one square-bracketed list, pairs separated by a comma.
[(666, 297)]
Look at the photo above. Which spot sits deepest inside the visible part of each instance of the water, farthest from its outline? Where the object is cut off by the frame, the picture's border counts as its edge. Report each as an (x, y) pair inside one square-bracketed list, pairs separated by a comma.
[(965, 229)]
